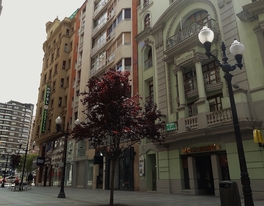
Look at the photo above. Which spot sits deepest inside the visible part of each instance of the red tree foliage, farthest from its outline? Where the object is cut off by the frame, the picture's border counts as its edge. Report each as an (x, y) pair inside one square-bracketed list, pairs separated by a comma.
[(115, 120)]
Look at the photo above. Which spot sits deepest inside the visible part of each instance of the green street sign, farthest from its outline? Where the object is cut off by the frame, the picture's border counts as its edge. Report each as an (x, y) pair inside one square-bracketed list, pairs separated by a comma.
[(170, 127)]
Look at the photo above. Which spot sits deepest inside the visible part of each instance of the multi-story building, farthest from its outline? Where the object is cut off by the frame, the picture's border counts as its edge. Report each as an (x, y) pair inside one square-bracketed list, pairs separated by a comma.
[(53, 98), (15, 129), (200, 148), (105, 41), (99, 37)]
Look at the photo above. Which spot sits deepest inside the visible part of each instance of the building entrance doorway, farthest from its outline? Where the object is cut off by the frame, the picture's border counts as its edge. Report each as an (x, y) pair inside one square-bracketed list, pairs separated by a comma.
[(205, 178), (151, 173)]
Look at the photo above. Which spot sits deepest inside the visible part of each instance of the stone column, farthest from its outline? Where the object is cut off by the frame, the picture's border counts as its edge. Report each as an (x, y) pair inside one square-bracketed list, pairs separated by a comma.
[(202, 103), (216, 173), (192, 175), (182, 109)]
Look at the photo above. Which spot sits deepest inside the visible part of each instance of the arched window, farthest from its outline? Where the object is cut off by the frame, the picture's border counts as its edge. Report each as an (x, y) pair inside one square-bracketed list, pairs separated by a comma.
[(200, 17), (147, 21), (148, 61)]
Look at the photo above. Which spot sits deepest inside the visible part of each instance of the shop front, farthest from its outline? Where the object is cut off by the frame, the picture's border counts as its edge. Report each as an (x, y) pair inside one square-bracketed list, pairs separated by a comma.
[(203, 168)]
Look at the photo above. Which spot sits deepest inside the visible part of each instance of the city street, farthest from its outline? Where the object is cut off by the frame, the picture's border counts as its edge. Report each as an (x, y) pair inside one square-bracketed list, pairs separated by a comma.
[(48, 196)]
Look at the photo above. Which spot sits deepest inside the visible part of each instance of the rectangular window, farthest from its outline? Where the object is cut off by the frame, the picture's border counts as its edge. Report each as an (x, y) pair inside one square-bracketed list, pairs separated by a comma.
[(69, 63), (119, 41), (54, 86), (128, 64), (64, 64), (66, 48), (60, 101), (127, 38), (215, 103), (127, 13), (62, 82), (65, 100), (56, 69), (58, 52)]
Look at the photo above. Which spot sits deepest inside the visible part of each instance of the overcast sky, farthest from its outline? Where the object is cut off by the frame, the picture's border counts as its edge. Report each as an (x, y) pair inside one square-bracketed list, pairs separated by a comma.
[(22, 34)]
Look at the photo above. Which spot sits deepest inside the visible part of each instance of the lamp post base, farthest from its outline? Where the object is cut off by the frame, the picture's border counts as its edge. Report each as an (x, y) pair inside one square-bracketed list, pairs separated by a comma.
[(61, 195)]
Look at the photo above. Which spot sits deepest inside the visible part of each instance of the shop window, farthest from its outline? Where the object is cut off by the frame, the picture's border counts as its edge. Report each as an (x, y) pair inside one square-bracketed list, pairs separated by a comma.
[(224, 167), (185, 173)]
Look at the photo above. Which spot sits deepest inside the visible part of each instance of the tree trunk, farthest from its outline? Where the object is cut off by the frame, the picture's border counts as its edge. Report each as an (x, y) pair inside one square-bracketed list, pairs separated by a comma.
[(113, 164)]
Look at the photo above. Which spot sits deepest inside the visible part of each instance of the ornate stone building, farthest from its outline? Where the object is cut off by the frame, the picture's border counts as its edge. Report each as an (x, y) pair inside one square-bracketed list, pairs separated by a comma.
[(200, 148)]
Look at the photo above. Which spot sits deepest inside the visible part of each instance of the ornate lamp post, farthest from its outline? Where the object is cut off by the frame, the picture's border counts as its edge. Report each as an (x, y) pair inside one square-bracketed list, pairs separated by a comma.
[(206, 37), (8, 151), (66, 134), (25, 159)]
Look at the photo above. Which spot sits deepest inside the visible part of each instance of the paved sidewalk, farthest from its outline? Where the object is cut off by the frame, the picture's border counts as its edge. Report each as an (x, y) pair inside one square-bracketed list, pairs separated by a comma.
[(86, 197)]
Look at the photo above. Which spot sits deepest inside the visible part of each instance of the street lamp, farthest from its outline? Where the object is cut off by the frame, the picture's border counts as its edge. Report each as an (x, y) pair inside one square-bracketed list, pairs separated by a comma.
[(206, 37), (25, 159), (66, 134), (8, 151)]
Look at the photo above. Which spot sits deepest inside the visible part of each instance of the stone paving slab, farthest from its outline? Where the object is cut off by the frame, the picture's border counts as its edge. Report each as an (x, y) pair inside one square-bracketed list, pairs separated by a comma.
[(87, 197)]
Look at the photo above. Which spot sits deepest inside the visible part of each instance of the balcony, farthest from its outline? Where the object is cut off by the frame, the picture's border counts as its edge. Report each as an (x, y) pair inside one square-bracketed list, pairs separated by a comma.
[(98, 67), (99, 26), (99, 8), (145, 5), (98, 46), (215, 123), (189, 32)]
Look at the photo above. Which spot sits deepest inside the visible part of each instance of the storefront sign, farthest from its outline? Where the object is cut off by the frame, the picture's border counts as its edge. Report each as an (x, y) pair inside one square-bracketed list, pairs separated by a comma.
[(170, 127), (141, 166), (184, 57), (207, 148), (40, 161), (45, 109)]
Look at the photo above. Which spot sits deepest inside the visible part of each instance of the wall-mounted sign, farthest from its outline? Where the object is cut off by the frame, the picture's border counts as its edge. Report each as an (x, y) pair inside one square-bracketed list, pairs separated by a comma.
[(45, 109), (170, 127), (40, 161), (141, 166), (207, 148), (184, 57)]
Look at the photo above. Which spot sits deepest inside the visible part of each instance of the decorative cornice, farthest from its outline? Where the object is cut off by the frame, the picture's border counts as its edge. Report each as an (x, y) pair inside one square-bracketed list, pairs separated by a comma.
[(251, 11)]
